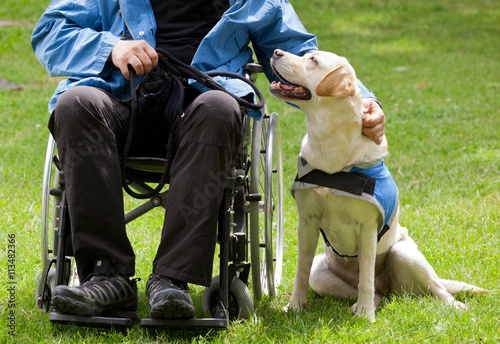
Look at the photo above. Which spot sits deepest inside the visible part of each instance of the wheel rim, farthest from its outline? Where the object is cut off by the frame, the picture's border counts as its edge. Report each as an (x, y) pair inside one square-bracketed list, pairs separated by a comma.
[(272, 263), (266, 222)]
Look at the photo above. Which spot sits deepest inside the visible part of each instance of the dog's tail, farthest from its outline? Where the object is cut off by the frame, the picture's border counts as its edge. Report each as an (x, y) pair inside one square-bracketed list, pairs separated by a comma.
[(455, 287)]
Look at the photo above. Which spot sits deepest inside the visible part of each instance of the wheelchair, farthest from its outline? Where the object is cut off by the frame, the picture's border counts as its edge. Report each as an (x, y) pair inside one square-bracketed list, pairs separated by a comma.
[(250, 228)]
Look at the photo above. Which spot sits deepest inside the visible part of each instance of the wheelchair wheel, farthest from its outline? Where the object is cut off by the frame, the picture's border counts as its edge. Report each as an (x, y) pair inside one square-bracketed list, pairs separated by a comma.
[(266, 216), (240, 300), (46, 279), (49, 227)]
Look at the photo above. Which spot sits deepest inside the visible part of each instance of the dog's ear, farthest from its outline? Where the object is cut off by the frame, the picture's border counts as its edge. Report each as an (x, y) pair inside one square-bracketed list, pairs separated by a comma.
[(340, 82)]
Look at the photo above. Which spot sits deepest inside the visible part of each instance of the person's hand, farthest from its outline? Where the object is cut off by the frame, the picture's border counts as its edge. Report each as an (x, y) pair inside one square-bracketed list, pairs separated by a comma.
[(138, 54), (374, 123)]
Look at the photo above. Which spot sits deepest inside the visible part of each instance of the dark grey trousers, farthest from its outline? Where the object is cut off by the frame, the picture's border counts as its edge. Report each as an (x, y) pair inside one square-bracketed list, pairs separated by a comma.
[(90, 128)]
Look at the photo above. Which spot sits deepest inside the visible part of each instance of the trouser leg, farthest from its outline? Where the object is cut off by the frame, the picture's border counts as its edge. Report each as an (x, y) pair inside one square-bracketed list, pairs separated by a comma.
[(88, 126), (209, 137)]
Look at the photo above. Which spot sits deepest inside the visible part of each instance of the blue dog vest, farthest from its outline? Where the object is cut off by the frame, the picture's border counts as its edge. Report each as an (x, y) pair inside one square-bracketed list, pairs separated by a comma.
[(371, 182)]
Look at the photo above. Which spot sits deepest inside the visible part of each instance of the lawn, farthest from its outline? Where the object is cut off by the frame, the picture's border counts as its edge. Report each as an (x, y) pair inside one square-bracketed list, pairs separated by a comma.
[(433, 65)]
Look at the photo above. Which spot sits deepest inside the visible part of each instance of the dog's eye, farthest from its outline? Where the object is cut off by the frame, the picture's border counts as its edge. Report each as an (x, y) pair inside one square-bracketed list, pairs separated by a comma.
[(313, 59)]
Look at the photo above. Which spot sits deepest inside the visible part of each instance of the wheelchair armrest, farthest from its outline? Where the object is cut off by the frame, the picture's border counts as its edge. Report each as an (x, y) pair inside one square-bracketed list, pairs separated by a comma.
[(253, 68), (249, 69)]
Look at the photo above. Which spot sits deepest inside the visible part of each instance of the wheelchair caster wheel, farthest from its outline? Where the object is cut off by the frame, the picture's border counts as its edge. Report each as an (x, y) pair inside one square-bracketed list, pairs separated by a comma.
[(240, 300)]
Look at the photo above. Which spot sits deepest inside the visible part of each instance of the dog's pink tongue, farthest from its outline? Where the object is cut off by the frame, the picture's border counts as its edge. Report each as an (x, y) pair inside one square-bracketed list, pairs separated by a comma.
[(296, 89), (287, 87)]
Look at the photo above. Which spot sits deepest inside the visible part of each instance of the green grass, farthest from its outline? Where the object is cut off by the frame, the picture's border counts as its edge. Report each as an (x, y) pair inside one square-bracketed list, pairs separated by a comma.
[(433, 65)]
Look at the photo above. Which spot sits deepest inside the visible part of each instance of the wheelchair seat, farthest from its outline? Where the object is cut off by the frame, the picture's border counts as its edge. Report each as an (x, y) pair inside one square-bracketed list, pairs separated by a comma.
[(145, 164)]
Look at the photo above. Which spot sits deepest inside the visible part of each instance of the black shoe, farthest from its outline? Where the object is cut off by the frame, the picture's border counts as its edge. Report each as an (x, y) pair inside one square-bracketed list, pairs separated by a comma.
[(168, 298), (100, 296)]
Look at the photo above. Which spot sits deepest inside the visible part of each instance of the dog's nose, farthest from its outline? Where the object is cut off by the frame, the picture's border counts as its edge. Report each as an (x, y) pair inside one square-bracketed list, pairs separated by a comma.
[(278, 53)]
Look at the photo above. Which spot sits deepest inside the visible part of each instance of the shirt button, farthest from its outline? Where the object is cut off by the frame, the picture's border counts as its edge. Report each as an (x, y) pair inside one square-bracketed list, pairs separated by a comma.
[(141, 33)]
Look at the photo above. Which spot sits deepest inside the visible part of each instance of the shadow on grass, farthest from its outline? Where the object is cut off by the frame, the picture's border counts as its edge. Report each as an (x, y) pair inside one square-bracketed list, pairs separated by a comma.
[(325, 317)]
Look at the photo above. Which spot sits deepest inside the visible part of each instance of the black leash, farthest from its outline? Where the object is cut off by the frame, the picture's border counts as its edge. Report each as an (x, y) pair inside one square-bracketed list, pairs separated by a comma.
[(179, 72), (176, 68)]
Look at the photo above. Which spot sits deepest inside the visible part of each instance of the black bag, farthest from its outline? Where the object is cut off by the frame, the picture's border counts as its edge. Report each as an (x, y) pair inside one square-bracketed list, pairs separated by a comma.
[(158, 105)]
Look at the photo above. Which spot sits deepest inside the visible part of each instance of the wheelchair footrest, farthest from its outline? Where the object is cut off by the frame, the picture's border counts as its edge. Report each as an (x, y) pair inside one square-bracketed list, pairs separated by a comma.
[(198, 322), (91, 321)]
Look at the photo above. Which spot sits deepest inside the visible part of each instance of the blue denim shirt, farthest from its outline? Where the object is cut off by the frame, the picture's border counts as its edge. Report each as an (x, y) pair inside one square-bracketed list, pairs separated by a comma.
[(74, 38)]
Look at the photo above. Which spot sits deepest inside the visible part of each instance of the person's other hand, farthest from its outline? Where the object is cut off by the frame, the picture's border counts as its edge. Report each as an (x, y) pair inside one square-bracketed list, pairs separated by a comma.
[(138, 54), (374, 123)]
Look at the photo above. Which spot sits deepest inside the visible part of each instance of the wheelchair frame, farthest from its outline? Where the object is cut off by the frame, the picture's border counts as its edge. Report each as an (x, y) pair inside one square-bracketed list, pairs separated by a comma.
[(251, 213)]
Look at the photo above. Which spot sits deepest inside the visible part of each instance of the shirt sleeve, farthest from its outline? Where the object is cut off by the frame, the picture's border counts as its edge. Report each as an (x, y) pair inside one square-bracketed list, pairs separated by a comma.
[(266, 25), (282, 29), (67, 39)]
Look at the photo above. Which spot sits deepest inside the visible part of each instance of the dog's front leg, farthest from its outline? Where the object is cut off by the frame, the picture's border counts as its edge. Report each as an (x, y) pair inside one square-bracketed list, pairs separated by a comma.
[(308, 235), (365, 306)]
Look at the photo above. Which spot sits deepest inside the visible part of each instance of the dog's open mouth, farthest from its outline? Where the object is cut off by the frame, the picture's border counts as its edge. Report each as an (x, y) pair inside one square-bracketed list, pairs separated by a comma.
[(287, 90)]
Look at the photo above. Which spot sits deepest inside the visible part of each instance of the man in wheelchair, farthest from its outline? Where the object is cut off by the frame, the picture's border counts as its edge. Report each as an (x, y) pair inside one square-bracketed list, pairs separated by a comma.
[(94, 42)]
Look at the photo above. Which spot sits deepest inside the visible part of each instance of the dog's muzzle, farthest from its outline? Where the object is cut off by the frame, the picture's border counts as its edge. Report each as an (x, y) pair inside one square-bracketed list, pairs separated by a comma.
[(285, 90)]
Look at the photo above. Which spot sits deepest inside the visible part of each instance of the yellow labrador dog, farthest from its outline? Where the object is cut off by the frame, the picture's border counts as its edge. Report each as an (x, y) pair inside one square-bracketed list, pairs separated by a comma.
[(344, 192)]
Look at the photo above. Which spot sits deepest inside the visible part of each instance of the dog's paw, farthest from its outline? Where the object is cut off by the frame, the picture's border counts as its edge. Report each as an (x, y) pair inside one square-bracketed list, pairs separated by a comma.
[(295, 306), (458, 305), (288, 308), (362, 312)]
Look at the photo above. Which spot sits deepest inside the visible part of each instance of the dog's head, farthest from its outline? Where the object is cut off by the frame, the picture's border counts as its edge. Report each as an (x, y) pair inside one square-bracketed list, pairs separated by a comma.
[(317, 74)]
